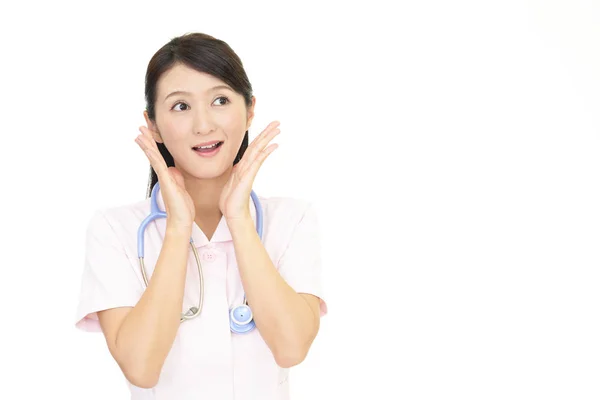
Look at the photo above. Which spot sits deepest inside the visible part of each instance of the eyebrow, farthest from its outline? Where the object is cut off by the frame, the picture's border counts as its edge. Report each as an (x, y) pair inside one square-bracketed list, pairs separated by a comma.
[(188, 93)]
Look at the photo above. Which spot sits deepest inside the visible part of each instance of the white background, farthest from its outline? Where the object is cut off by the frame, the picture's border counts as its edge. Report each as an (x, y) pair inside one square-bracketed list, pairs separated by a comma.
[(451, 149)]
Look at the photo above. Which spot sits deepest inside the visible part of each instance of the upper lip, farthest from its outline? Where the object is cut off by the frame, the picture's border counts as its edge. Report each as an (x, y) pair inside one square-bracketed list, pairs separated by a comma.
[(208, 143)]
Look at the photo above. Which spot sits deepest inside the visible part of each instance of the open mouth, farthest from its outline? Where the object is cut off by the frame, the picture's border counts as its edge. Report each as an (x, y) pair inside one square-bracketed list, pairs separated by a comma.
[(208, 149)]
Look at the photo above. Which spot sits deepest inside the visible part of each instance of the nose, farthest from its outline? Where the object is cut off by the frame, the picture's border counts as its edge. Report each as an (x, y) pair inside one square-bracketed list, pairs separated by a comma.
[(203, 122)]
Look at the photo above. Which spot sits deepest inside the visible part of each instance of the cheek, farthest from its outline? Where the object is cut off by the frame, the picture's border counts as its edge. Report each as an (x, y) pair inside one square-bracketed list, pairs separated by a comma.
[(233, 123), (174, 132), (236, 141), (237, 130)]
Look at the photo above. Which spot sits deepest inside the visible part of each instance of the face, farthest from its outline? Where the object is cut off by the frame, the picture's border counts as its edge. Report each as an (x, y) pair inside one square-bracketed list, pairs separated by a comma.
[(207, 111)]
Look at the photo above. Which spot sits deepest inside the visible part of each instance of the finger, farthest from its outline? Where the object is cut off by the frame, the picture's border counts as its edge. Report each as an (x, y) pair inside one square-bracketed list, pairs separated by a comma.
[(148, 145), (259, 141), (150, 135), (250, 152), (152, 154), (250, 172), (258, 146)]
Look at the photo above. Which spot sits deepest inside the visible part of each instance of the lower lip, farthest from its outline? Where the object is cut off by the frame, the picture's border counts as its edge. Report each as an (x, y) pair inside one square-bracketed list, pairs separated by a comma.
[(208, 153)]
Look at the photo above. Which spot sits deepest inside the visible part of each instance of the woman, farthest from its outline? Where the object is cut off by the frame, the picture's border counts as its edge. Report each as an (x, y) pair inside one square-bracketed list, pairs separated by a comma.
[(199, 107)]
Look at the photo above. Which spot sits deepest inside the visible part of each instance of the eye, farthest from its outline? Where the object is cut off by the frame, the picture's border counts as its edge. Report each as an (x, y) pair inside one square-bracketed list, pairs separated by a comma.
[(223, 98), (180, 102)]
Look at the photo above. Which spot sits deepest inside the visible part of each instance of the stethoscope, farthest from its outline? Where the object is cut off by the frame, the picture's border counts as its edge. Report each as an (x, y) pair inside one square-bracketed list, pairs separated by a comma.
[(240, 317)]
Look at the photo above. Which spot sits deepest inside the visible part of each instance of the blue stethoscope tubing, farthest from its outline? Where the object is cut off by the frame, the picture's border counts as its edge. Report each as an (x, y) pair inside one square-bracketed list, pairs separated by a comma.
[(240, 317)]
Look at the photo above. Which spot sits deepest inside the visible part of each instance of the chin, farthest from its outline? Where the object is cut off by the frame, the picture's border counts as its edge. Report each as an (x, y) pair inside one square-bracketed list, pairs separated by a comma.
[(209, 170)]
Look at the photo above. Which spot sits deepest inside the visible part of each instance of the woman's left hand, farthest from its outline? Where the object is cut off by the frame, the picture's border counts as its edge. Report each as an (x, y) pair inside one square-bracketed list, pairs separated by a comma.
[(235, 197)]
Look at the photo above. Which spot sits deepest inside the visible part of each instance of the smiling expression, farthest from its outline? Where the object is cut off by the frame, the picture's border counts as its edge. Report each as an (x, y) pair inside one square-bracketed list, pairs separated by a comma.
[(197, 109)]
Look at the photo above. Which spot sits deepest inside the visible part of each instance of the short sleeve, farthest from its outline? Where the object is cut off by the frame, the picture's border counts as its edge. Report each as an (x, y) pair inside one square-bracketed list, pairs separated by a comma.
[(108, 279), (300, 264)]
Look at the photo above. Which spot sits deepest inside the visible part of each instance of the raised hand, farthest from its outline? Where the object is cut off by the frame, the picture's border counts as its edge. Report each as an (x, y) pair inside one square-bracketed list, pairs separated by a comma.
[(179, 205), (235, 197)]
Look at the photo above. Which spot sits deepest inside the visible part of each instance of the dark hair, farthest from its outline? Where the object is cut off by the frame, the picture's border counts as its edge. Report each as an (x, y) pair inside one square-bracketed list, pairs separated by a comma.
[(203, 53)]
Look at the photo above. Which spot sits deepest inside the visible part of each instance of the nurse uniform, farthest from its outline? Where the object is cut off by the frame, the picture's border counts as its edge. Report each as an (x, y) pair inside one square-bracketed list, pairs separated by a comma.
[(207, 360)]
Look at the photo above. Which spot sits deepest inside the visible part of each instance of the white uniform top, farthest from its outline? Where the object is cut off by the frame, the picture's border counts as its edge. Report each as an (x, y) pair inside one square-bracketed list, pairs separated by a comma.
[(206, 361)]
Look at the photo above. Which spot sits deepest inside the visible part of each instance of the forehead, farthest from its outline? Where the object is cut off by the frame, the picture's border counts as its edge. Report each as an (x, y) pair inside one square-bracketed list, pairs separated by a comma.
[(182, 77)]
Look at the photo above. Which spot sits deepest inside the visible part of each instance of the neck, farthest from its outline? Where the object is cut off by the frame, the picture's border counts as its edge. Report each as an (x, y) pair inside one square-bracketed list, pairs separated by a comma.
[(205, 194)]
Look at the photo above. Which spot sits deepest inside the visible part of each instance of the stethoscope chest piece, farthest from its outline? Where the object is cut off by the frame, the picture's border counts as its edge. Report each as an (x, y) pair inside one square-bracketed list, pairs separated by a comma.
[(241, 319)]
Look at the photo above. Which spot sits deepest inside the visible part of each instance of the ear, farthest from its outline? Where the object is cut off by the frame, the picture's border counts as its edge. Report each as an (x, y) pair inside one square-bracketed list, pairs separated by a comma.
[(250, 113), (153, 128)]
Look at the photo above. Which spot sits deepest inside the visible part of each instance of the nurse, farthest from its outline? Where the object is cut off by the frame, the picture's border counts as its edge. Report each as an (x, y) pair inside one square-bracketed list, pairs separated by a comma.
[(199, 107)]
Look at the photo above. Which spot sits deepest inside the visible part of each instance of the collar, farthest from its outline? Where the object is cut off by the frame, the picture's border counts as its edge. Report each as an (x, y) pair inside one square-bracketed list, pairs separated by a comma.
[(222, 233)]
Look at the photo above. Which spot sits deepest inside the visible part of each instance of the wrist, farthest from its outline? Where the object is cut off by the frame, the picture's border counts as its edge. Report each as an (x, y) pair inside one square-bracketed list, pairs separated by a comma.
[(179, 230), (239, 223)]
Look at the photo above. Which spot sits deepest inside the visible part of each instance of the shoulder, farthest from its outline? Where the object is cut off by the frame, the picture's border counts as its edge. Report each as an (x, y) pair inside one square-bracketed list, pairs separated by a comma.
[(287, 220), (287, 210), (121, 218)]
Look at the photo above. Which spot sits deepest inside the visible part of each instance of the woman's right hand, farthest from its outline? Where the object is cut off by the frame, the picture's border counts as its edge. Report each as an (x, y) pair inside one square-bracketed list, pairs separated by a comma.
[(179, 205)]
